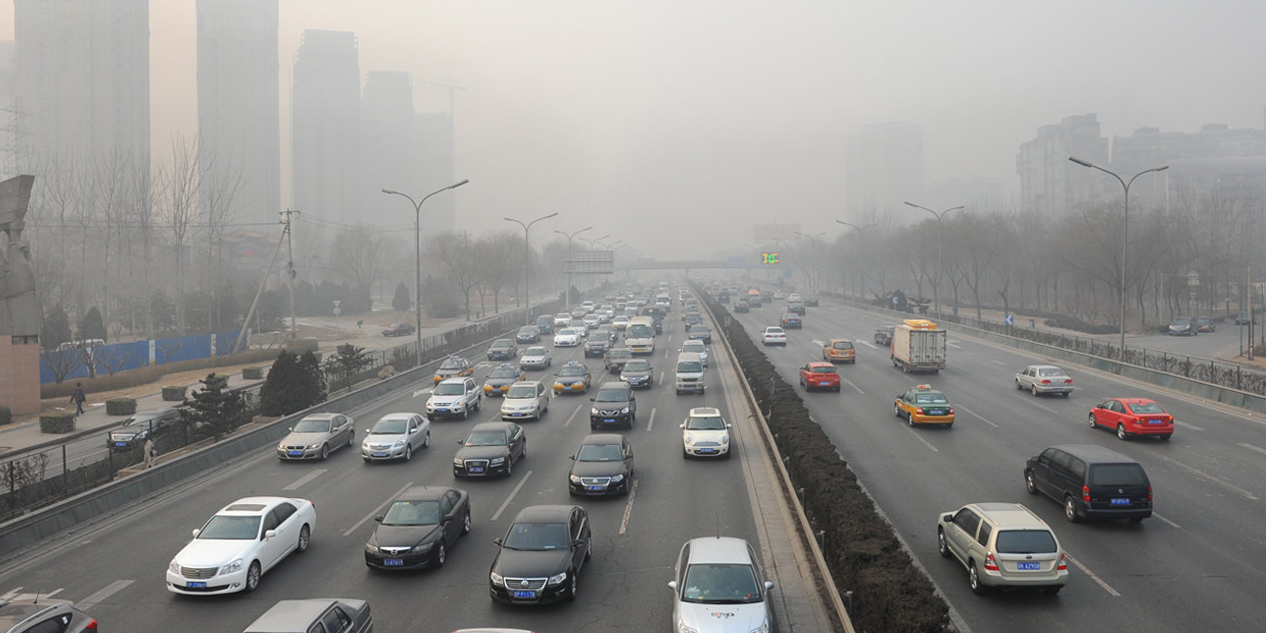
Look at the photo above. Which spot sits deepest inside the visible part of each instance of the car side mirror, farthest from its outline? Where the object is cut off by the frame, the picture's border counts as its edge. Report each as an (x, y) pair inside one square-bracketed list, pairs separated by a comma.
[(497, 540), (682, 425), (947, 517), (768, 586), (573, 458), (270, 534), (672, 584), (728, 425), (378, 518), (290, 428), (461, 442), (578, 542), (196, 532)]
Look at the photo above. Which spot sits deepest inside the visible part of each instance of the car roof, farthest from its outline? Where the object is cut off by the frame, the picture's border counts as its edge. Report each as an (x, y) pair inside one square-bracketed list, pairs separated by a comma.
[(423, 493), (1093, 453), (699, 412), (719, 549), (533, 514), (1045, 367), (295, 616), (491, 426), (602, 438), (541, 348), (840, 340), (820, 363), (252, 506), (400, 415), (14, 612), (1010, 516), (622, 386), (456, 380), (320, 416), (1135, 400), (530, 383)]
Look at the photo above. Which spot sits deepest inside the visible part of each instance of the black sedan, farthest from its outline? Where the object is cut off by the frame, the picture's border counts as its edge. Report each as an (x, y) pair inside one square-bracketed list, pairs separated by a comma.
[(742, 306), (419, 526), (616, 358), (490, 448), (700, 333), (597, 346), (528, 334), (541, 556), (399, 329), (141, 427), (502, 349), (638, 373), (604, 466)]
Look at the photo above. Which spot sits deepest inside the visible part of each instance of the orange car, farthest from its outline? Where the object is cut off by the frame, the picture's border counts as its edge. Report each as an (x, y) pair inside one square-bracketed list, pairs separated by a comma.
[(819, 375), (839, 350)]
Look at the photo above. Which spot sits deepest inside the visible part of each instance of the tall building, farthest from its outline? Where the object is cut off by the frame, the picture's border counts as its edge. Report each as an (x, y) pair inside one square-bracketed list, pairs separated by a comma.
[(11, 120), (1205, 157), (390, 149), (238, 111), (437, 164), (883, 169), (1050, 184), (325, 126), (83, 78)]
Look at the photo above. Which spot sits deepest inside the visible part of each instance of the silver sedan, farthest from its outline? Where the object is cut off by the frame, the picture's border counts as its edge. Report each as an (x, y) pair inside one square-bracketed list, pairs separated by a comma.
[(1040, 379), (396, 436)]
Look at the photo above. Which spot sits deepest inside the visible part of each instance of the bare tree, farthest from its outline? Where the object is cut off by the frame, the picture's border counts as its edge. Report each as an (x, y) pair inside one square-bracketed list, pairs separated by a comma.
[(220, 182), (178, 194)]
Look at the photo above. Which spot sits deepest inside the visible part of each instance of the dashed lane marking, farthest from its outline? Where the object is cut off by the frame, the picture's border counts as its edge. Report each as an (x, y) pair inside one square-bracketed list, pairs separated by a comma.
[(571, 417), (925, 442), (982, 418), (510, 498), (1254, 448), (850, 383), (628, 507), (650, 424), (419, 392), (1093, 577), (305, 479), (1171, 523), (1188, 425), (101, 596)]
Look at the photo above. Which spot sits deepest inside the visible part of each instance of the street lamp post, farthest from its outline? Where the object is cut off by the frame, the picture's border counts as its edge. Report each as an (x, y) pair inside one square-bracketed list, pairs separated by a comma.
[(417, 247), (861, 230), (1125, 232), (567, 264), (527, 264), (813, 248), (936, 287)]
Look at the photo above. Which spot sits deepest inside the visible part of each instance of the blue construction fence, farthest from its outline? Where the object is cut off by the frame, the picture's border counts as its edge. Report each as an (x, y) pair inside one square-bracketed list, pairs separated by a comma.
[(72, 362)]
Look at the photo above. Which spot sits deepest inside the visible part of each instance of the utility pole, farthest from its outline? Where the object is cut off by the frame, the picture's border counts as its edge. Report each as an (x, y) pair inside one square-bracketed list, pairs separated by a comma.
[(290, 266)]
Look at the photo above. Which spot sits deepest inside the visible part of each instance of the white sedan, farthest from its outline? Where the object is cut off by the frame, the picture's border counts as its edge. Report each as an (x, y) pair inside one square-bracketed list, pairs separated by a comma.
[(567, 337), (242, 541), (774, 335)]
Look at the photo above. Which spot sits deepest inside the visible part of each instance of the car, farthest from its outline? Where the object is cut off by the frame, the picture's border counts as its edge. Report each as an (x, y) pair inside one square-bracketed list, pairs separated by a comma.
[(620, 322), (811, 302), (742, 307), (315, 614), (819, 375), (606, 331), (562, 319), (883, 335), (418, 527), (591, 321), (1133, 417), (700, 332), (142, 427), (536, 357), (603, 466), (399, 329), (705, 434), (773, 336), (615, 359), (572, 377), (528, 334), (791, 320), (1205, 324), (613, 405), (924, 405), (778, 295), (597, 345), (1183, 326), (545, 324), (697, 347), (839, 350), (1003, 545), (754, 301), (454, 397), (580, 326), (502, 349), (396, 436), (692, 319), (498, 381), (1091, 482), (793, 298), (638, 373), (528, 400), (1243, 318), (540, 557), (490, 448), (453, 367), (314, 436), (1041, 379), (719, 586), (796, 308), (239, 544), (577, 313), (567, 337), (43, 615)]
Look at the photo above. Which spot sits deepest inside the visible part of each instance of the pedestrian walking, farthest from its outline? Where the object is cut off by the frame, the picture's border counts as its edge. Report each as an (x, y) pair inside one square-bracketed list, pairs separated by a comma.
[(151, 453), (78, 398)]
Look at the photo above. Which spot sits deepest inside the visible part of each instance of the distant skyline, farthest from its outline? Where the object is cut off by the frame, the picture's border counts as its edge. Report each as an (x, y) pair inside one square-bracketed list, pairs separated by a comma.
[(707, 117)]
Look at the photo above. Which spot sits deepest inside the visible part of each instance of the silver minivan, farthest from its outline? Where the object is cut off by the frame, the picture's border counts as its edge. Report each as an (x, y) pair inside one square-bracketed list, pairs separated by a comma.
[(1003, 545), (689, 373)]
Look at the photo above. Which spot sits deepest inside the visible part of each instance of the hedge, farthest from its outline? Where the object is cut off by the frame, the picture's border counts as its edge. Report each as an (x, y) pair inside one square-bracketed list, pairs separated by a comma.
[(252, 373), (174, 393), (120, 406), (57, 422), (152, 374)]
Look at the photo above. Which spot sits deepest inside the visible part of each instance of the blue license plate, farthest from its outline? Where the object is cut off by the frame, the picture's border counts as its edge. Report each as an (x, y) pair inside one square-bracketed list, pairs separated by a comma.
[(196, 585), (824, 384), (1120, 502), (393, 562), (441, 410), (595, 488), (1155, 421), (567, 387), (379, 454), (120, 443), (707, 450), (476, 469), (523, 594), (609, 420), (294, 453), (1029, 566)]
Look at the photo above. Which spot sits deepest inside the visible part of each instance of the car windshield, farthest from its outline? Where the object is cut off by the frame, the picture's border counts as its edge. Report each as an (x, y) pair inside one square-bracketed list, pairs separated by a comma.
[(611, 395), (504, 372), (312, 426), (843, 345), (412, 513), (689, 367), (1117, 475), (599, 453), (572, 371), (822, 369), (622, 353), (705, 423), (390, 426), (527, 330), (486, 438), (637, 365), (790, 317), (1050, 371), (716, 583), (567, 332), (773, 330), (929, 398), (534, 351), (235, 528), (1145, 407), (640, 331), (141, 419), (537, 536), (447, 389), (522, 391), (452, 363), (1182, 321), (501, 344), (1026, 542)]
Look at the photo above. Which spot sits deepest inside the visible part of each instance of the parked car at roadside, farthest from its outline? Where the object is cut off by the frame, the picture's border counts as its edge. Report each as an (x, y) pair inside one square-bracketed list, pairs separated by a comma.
[(1183, 326), (142, 427), (1205, 324), (399, 329)]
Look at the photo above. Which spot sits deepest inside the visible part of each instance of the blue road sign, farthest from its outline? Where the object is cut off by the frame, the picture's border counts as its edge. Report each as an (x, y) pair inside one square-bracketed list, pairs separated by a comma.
[(1010, 319)]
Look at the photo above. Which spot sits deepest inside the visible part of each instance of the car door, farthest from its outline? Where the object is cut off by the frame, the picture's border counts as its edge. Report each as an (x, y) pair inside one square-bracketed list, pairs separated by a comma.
[(1025, 377), (579, 531), (287, 538), (336, 620), (628, 458), (963, 532), (472, 393), (338, 431), (449, 522), (416, 436), (516, 441), (270, 548)]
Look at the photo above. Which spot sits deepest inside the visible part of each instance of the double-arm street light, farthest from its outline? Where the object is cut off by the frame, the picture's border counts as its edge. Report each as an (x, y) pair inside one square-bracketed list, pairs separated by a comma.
[(936, 287), (595, 240), (417, 247), (527, 264), (861, 231), (567, 264), (1125, 231), (813, 249)]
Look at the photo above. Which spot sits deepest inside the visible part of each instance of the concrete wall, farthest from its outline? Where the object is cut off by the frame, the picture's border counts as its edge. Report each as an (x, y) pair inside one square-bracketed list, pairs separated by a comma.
[(19, 376)]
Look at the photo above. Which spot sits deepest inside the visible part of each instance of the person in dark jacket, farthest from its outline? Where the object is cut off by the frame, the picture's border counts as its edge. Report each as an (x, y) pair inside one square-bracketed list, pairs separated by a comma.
[(78, 398)]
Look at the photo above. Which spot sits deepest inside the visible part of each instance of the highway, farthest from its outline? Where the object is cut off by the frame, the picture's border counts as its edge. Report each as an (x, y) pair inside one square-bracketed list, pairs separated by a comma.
[(1195, 565), (114, 568)]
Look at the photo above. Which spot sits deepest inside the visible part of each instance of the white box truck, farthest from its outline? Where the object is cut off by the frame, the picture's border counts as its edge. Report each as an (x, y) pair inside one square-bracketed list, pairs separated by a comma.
[(917, 345)]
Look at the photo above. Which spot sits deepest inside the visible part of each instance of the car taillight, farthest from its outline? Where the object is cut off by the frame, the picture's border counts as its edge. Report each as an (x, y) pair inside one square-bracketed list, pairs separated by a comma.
[(1069, 381), (1063, 564), (92, 626), (990, 563), (1149, 493), (919, 410), (951, 411), (1085, 494), (1046, 382)]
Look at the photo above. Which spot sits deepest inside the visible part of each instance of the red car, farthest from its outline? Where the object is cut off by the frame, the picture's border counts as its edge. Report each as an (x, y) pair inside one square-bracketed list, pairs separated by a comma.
[(819, 375), (1132, 416)]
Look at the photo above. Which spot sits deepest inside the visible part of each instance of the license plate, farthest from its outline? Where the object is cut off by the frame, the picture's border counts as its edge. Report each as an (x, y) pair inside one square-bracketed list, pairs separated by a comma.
[(120, 443), (476, 469), (707, 450), (294, 453), (442, 410), (1029, 566), (1120, 502), (595, 488), (524, 594), (609, 420), (379, 454), (824, 384), (393, 562), (566, 387), (1155, 421), (196, 585)]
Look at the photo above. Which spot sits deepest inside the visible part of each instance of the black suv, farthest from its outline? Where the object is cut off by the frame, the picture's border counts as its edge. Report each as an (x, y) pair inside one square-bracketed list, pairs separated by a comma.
[(1092, 482), (614, 405)]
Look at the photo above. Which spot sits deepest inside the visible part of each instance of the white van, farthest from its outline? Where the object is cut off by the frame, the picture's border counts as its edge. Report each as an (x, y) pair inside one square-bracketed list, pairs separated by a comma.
[(689, 373)]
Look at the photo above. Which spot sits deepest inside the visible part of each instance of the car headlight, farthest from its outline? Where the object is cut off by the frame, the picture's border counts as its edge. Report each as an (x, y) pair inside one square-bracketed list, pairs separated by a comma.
[(173, 566), (556, 579), (617, 478), (421, 548), (575, 479), (141, 435), (593, 411), (457, 461), (281, 446), (497, 461), (624, 410), (314, 445), (457, 407), (725, 439), (496, 578), (371, 548), (689, 439), (682, 628), (398, 444), (558, 385), (232, 567), (763, 628)]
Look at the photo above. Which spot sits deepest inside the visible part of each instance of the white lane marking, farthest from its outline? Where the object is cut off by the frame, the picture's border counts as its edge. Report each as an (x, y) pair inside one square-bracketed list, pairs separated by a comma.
[(510, 498), (628, 507), (867, 343), (954, 344), (818, 343), (925, 442), (16, 594), (665, 352), (661, 376), (376, 510), (572, 417), (1250, 496), (419, 392), (1187, 425), (1252, 448), (652, 422), (1171, 523), (997, 362), (97, 598), (850, 383), (982, 418), (1093, 577), (306, 478)]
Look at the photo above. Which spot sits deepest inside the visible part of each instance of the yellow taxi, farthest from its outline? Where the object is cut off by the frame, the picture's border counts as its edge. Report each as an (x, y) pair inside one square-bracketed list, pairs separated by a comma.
[(924, 405), (839, 350), (573, 377), (453, 366), (501, 377)]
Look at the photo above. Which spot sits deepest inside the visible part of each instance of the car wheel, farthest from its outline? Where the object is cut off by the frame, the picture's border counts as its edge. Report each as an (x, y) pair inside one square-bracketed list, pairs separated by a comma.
[(589, 549), (426, 441), (1029, 484), (896, 410), (1070, 509), (351, 438), (408, 452), (910, 419), (973, 580), (252, 577), (466, 413), (1121, 434), (571, 590), (325, 452), (440, 554), (466, 524), (1018, 386), (1165, 437), (305, 537), (1093, 423), (1035, 390), (941, 545)]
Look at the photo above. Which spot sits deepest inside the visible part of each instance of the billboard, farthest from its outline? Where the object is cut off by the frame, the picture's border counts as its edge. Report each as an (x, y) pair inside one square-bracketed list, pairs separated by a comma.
[(591, 263), (767, 232)]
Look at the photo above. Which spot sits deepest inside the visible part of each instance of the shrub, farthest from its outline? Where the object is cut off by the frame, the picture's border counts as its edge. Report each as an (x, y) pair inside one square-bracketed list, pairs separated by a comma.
[(1073, 323), (58, 422), (215, 408), (121, 406), (6, 416), (151, 374), (174, 393), (294, 383), (252, 373)]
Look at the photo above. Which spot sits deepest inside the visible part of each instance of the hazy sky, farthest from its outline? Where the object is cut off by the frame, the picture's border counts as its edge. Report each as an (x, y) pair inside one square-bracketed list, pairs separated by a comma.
[(672, 123)]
